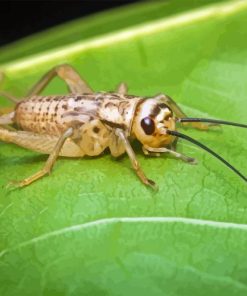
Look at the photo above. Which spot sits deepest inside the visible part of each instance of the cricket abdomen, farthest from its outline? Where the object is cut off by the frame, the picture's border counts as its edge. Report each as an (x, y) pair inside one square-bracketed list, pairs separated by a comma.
[(53, 114), (93, 117)]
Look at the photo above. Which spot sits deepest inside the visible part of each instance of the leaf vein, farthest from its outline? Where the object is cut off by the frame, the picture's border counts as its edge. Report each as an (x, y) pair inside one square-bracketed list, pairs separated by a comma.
[(112, 220)]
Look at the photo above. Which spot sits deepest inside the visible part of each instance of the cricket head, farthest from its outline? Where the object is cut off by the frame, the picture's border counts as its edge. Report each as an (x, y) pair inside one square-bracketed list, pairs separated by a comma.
[(152, 118)]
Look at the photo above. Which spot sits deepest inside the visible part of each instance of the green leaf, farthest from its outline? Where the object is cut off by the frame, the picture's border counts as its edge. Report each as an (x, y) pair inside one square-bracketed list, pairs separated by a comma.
[(91, 227), (96, 25)]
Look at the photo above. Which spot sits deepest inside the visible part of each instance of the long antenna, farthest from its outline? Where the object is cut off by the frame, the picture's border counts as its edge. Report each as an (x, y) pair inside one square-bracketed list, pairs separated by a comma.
[(178, 134), (209, 120)]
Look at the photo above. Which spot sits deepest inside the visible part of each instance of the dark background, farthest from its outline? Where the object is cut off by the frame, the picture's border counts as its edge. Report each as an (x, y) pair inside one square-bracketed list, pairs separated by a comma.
[(22, 18)]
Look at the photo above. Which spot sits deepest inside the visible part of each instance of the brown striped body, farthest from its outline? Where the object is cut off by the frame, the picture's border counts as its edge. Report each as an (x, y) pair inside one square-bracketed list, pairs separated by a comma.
[(86, 123), (92, 116), (94, 119), (54, 114)]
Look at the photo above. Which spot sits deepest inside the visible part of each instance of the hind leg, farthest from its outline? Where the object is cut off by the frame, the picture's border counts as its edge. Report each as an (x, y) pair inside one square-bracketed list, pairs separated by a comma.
[(8, 118), (49, 163), (41, 143), (122, 88), (150, 150), (67, 73), (8, 96)]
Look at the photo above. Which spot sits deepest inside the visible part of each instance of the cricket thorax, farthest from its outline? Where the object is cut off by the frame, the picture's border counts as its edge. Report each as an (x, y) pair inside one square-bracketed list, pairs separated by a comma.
[(118, 111), (54, 114)]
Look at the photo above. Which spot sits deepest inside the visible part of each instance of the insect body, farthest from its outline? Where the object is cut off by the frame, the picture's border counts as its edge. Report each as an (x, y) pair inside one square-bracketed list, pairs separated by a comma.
[(86, 123), (93, 118)]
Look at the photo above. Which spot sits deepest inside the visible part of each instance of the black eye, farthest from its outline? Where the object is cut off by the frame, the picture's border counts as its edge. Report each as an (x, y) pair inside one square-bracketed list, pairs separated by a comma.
[(148, 126)]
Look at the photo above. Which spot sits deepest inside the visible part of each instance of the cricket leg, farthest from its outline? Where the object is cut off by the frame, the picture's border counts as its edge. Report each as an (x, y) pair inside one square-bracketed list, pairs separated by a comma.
[(8, 96), (122, 88), (173, 145), (147, 150), (150, 153), (7, 118), (7, 115), (42, 143), (134, 161), (49, 163), (67, 73)]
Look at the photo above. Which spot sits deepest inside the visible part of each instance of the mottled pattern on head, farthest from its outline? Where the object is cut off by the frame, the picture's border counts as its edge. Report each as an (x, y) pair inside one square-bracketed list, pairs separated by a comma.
[(153, 116)]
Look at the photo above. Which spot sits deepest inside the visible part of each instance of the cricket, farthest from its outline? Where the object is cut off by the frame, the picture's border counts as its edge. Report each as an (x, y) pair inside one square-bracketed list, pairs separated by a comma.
[(85, 122)]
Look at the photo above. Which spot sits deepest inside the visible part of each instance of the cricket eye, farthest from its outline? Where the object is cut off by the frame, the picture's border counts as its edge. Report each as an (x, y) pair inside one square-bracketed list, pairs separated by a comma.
[(148, 125)]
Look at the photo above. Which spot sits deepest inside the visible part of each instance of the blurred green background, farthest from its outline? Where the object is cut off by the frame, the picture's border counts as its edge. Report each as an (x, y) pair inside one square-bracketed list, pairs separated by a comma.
[(91, 228)]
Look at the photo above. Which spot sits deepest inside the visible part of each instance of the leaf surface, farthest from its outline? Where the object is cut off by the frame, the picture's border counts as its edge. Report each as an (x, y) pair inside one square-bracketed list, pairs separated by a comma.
[(91, 228)]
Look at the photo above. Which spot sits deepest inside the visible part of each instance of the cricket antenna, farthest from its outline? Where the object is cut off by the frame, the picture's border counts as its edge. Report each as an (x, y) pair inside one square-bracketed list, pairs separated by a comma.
[(178, 134), (209, 120)]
